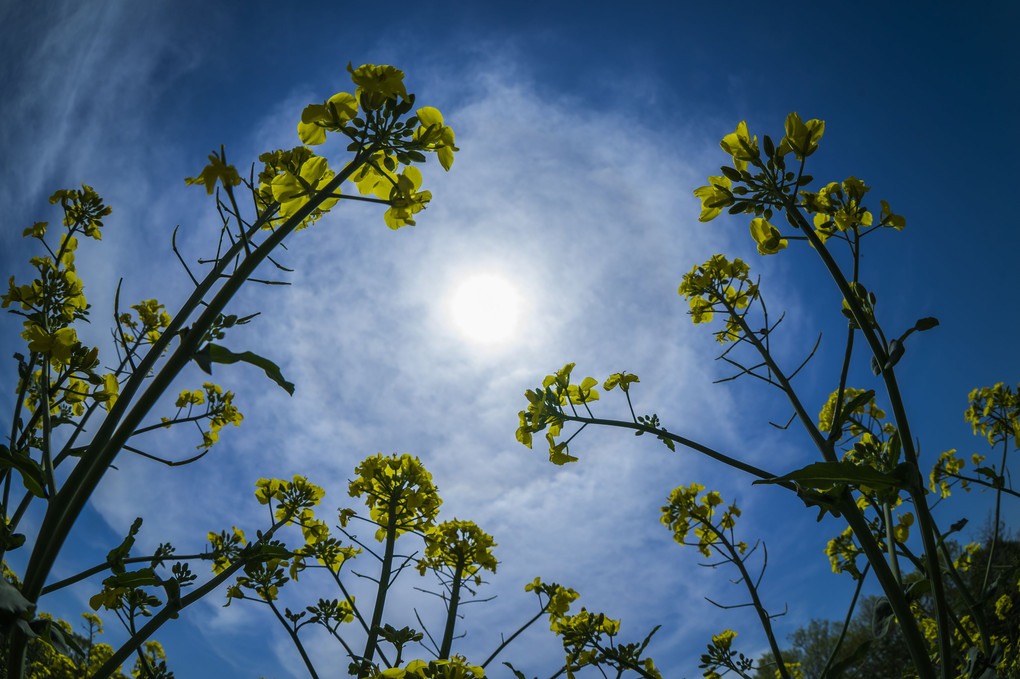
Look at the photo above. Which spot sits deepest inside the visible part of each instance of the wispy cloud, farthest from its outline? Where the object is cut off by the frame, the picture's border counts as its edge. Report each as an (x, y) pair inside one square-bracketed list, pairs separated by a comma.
[(587, 213)]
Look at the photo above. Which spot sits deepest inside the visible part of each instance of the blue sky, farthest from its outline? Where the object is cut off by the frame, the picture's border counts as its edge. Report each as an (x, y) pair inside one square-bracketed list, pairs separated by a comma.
[(583, 129)]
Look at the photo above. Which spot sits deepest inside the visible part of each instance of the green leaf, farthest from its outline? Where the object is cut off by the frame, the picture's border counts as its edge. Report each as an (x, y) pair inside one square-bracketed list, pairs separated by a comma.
[(143, 577), (730, 173), (51, 633), (12, 600), (882, 618), (30, 470), (517, 672), (926, 324), (849, 408), (115, 557), (823, 475), (839, 669), (214, 353), (918, 589)]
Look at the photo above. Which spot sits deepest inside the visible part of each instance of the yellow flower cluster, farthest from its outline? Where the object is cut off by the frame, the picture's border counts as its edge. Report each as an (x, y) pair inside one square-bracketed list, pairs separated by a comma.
[(838, 207), (225, 547), (842, 552), (456, 667), (719, 283), (220, 409), (686, 511), (994, 412), (399, 493), (460, 545)]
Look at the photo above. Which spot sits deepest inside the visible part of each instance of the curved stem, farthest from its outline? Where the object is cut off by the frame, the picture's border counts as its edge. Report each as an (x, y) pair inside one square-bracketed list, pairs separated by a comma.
[(915, 486), (846, 621), (99, 568), (69, 502), (687, 443), (294, 638), (451, 613), (120, 423), (752, 590), (170, 611), (995, 525), (384, 585)]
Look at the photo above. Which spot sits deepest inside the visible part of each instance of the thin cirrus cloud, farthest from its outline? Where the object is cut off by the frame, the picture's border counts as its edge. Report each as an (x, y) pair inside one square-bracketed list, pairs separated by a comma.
[(594, 235), (579, 230)]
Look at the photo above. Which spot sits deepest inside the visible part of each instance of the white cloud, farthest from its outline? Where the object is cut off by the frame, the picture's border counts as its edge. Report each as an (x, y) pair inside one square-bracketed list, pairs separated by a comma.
[(591, 216)]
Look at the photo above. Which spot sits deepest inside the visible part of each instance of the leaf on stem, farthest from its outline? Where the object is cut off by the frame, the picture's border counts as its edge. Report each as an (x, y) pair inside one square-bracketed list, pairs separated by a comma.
[(214, 353), (823, 475)]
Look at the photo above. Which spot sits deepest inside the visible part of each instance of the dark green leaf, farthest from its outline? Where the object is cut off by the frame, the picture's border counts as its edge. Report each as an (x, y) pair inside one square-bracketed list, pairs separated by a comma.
[(859, 401), (805, 179), (770, 148), (144, 577), (214, 353), (823, 475), (115, 557), (838, 669), (730, 173), (12, 600), (918, 589), (51, 633), (30, 470), (986, 471), (882, 618), (926, 324), (416, 156), (517, 672)]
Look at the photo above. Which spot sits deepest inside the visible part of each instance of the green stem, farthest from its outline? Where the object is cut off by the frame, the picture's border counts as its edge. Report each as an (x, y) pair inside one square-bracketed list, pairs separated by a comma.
[(890, 542), (451, 613), (294, 638), (977, 611), (995, 526), (169, 611), (99, 568), (915, 486), (846, 622), (687, 443), (513, 636), (384, 585), (63, 510), (763, 615)]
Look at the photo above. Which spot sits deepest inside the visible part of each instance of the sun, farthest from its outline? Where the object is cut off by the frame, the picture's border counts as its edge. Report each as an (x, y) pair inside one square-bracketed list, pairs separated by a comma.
[(485, 309)]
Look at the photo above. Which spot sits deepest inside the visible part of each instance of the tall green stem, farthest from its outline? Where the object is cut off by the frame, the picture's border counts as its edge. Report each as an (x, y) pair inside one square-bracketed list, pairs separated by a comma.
[(451, 613), (384, 585), (915, 485), (68, 503)]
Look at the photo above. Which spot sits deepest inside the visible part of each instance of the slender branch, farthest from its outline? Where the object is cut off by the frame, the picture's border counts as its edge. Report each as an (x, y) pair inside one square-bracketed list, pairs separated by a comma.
[(916, 486), (171, 610), (119, 424), (687, 443), (99, 568), (846, 622), (294, 638), (451, 612)]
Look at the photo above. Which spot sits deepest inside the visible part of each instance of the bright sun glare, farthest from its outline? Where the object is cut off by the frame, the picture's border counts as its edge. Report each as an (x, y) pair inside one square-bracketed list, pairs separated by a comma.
[(485, 309)]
